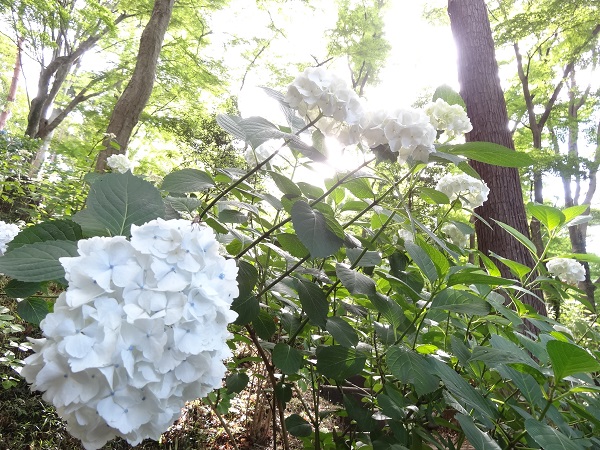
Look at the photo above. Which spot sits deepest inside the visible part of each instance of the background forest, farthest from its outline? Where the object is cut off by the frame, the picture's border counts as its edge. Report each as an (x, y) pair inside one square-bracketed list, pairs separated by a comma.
[(389, 273)]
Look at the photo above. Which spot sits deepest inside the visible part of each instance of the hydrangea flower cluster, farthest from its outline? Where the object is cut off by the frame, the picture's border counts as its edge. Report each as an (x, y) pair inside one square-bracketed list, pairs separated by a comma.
[(318, 91), (566, 270), (407, 131), (120, 163), (8, 231), (472, 192), (141, 329), (455, 235), (450, 118)]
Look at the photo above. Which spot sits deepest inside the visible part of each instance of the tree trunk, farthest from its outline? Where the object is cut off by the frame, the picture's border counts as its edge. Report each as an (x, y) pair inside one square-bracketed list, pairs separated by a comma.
[(135, 96), (12, 92), (483, 96)]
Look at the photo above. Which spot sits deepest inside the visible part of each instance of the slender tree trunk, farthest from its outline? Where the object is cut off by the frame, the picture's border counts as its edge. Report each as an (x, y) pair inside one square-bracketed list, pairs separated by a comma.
[(483, 96), (135, 96), (12, 92)]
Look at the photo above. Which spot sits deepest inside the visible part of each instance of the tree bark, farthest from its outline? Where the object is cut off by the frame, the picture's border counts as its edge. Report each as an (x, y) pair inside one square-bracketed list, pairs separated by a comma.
[(12, 92), (483, 96), (135, 96)]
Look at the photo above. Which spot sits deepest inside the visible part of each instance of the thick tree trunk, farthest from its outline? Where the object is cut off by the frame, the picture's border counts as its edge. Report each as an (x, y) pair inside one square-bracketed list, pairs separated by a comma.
[(483, 96), (135, 96), (12, 92)]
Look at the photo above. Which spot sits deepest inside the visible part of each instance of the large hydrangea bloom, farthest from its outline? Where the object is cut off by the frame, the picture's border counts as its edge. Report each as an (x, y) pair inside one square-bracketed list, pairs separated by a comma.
[(141, 329), (566, 270), (472, 192), (452, 119), (120, 163), (8, 231)]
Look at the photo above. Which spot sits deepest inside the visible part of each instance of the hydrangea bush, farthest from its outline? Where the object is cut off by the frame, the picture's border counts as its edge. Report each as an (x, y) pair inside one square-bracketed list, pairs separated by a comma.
[(367, 275)]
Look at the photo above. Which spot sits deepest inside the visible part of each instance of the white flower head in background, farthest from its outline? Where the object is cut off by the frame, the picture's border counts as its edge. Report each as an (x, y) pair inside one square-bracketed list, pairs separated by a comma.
[(455, 235), (8, 231), (566, 270), (406, 235), (473, 192), (452, 119), (120, 163), (141, 329)]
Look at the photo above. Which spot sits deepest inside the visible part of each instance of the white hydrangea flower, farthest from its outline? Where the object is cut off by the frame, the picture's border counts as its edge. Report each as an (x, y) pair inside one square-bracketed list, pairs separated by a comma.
[(141, 329), (406, 235), (455, 235), (473, 192), (409, 134), (566, 270), (317, 90), (8, 231), (452, 119), (120, 163)]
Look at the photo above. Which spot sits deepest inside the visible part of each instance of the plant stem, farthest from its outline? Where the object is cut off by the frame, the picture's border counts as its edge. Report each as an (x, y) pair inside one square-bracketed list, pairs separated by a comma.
[(223, 423)]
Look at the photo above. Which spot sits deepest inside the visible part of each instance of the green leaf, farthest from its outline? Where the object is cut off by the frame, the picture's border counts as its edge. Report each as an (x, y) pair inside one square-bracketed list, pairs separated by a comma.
[(520, 270), (569, 359), (389, 309), (55, 230), (432, 196), (339, 362), (231, 124), (264, 325), (519, 236), (494, 356), (236, 382), (468, 278), (313, 231), (232, 216), (461, 389), (184, 204), (449, 95), (489, 153), (422, 259), (21, 289), (38, 261), (356, 282), (33, 310), (574, 211), (116, 201), (292, 244), (187, 180), (549, 438), (297, 426), (285, 185), (360, 188), (369, 259), (477, 438), (460, 302), (550, 217), (247, 309), (466, 168), (441, 262), (287, 359), (313, 300), (411, 368), (358, 412), (342, 332)]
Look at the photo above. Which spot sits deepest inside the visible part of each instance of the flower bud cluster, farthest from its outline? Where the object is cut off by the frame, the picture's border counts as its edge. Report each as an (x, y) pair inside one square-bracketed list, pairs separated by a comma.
[(452, 119), (120, 163), (8, 231), (141, 329), (566, 270), (471, 191)]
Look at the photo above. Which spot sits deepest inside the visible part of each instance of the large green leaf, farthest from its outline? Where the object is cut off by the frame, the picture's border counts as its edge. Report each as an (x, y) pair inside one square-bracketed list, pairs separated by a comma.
[(389, 309), (187, 180), (550, 217), (468, 278), (477, 438), (549, 438), (264, 324), (360, 413), (489, 153), (287, 359), (461, 302), (449, 95), (55, 230), (422, 259), (368, 258), (297, 426), (519, 236), (21, 289), (292, 244), (574, 211), (33, 310), (569, 359), (247, 309), (411, 368), (339, 362), (313, 300), (38, 261), (356, 282), (314, 232), (285, 185), (342, 332), (236, 382), (116, 201)]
